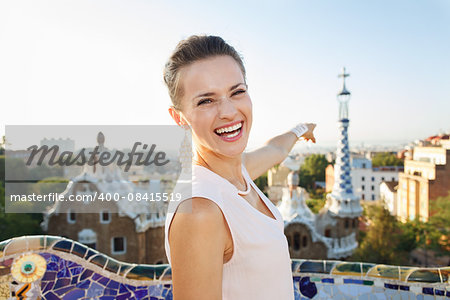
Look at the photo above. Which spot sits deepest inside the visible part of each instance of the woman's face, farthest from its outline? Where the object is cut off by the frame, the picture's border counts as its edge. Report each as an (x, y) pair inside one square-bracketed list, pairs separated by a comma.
[(216, 105)]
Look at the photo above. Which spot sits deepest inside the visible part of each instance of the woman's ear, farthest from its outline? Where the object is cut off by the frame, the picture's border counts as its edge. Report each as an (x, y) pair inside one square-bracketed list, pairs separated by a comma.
[(176, 116)]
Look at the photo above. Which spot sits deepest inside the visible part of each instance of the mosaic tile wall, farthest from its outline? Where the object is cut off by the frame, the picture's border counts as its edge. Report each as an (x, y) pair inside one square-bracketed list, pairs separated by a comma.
[(49, 267)]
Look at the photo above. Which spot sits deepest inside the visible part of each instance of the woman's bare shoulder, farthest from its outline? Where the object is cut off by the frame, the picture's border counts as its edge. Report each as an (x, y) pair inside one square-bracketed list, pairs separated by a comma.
[(197, 241), (194, 213)]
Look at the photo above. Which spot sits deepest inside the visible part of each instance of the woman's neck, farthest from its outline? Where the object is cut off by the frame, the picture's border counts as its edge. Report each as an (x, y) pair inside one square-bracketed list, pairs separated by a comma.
[(229, 168)]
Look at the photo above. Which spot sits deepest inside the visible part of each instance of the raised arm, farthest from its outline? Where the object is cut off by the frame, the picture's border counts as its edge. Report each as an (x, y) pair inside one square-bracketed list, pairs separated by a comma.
[(197, 243), (274, 151)]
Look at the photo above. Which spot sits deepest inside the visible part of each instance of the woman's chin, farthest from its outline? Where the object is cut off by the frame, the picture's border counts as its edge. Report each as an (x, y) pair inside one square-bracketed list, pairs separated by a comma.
[(223, 148), (232, 151)]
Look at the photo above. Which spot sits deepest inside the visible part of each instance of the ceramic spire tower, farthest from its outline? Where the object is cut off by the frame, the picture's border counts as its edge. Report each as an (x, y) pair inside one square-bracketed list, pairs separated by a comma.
[(342, 202)]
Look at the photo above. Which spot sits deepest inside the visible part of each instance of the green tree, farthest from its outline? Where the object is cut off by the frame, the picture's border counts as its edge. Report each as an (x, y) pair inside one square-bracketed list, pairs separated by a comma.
[(386, 159), (44, 171), (312, 170), (432, 235), (16, 170), (50, 185), (2, 145), (438, 230), (13, 225), (317, 200), (407, 240), (306, 180), (2, 168), (381, 241)]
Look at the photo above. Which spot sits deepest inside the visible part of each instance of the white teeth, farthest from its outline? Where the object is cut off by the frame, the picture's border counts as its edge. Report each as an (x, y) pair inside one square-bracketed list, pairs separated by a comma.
[(229, 129), (233, 134)]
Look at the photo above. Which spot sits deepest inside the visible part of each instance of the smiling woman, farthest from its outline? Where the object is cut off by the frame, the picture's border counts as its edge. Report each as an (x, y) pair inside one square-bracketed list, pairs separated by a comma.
[(231, 243)]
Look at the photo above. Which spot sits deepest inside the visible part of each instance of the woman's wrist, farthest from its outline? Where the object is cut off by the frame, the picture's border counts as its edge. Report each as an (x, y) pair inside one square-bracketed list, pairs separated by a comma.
[(299, 130)]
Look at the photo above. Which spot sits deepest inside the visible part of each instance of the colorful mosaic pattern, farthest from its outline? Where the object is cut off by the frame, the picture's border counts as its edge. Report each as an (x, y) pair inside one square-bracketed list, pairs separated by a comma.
[(48, 267), (348, 280)]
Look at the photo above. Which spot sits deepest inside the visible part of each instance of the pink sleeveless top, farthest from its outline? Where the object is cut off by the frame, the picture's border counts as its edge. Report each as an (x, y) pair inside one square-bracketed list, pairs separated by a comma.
[(260, 267)]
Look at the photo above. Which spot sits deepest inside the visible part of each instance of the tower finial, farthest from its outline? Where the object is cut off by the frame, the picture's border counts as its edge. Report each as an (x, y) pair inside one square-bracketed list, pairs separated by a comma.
[(343, 74), (344, 89)]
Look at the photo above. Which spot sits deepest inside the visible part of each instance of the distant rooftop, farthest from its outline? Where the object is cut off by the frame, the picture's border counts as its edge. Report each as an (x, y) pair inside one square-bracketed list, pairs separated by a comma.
[(391, 185)]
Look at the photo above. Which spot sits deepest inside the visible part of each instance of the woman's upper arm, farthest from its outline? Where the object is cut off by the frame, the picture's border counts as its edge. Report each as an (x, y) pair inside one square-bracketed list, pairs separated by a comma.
[(197, 242)]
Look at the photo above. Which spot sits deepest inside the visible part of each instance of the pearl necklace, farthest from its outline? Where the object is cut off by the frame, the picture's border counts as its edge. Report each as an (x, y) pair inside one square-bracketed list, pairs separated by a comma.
[(246, 192)]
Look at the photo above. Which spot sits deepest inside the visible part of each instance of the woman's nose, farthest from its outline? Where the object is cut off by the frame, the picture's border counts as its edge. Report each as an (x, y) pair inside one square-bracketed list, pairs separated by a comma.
[(227, 109)]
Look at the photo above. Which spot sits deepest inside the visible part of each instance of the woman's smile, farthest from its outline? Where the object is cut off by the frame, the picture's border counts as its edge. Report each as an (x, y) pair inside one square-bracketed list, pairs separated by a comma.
[(230, 132)]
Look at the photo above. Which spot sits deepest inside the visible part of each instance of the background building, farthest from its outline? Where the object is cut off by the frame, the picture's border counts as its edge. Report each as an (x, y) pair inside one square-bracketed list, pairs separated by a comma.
[(277, 176), (388, 195), (365, 178), (63, 144), (426, 177), (130, 231)]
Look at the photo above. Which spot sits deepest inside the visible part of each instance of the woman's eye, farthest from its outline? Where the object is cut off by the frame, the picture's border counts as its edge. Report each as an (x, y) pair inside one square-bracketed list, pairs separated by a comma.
[(238, 92), (204, 101)]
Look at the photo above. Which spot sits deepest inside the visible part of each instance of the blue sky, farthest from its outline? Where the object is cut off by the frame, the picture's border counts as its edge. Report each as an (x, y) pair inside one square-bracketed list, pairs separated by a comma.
[(100, 62)]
